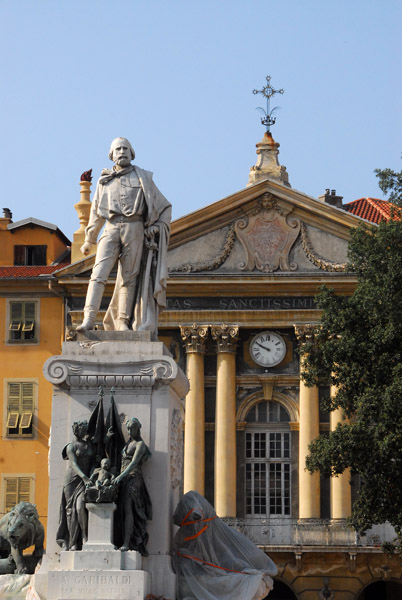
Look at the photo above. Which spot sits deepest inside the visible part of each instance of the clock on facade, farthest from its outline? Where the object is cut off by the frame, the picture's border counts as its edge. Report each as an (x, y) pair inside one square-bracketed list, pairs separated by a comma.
[(267, 349)]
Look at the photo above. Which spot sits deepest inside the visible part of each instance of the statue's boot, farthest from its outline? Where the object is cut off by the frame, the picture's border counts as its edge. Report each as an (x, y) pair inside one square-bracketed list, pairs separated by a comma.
[(92, 305), (125, 307)]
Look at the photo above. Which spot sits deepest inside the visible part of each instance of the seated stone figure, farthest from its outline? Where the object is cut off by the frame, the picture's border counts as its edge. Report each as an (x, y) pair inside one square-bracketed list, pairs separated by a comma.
[(214, 561), (100, 488)]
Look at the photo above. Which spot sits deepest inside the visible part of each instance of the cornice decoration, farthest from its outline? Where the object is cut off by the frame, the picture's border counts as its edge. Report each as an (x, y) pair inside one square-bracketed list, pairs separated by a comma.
[(267, 237), (214, 263), (316, 259), (121, 374), (306, 332), (226, 337), (194, 337)]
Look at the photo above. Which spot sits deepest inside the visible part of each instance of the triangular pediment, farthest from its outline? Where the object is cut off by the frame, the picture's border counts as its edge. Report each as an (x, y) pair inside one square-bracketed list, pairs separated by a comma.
[(265, 228)]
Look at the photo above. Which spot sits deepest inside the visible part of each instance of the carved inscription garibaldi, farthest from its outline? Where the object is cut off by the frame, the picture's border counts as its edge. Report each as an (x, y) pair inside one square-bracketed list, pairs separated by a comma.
[(136, 233)]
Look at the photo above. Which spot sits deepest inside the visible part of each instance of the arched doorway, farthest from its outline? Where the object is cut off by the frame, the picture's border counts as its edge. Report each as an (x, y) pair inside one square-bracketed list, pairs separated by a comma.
[(281, 591), (381, 590)]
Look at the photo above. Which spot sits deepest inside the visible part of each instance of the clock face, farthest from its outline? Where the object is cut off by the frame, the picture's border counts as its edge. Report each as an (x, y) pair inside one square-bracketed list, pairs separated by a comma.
[(267, 349)]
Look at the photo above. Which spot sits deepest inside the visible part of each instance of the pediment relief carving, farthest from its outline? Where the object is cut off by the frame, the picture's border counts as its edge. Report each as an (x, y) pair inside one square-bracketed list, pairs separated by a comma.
[(267, 235)]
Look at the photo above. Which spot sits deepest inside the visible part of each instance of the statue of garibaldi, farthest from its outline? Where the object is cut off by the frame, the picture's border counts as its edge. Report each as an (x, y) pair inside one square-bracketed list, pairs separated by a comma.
[(136, 234)]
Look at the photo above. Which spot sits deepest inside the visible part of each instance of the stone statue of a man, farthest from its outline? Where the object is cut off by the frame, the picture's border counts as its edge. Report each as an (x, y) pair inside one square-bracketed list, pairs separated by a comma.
[(136, 234)]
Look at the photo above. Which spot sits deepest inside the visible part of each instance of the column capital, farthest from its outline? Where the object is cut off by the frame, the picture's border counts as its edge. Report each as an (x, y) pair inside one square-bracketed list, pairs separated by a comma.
[(194, 337), (306, 332), (226, 337)]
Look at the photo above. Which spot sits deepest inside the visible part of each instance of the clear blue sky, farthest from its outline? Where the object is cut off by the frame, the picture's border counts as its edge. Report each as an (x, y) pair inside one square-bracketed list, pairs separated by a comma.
[(176, 78)]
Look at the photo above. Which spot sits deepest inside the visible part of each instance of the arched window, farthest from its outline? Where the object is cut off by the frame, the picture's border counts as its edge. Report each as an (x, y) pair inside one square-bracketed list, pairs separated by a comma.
[(268, 460)]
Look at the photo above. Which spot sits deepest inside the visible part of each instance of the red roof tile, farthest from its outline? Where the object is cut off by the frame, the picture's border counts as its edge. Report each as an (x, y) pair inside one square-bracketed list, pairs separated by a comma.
[(372, 209), (8, 272)]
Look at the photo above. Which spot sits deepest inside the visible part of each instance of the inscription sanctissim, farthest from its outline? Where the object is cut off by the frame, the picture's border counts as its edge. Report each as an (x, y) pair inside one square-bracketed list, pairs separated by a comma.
[(247, 303)]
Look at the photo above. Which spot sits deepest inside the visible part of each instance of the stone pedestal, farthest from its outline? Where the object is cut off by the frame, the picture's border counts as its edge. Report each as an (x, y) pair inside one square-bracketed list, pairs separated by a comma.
[(100, 526), (150, 386)]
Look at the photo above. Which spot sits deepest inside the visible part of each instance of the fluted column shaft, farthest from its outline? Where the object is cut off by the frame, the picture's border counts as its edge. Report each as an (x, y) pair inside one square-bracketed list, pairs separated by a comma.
[(341, 493), (194, 434), (309, 429), (225, 337)]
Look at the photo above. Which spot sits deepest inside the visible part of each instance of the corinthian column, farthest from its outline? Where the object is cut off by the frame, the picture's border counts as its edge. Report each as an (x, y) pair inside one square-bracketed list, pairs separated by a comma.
[(226, 337), (341, 493), (194, 337), (309, 483)]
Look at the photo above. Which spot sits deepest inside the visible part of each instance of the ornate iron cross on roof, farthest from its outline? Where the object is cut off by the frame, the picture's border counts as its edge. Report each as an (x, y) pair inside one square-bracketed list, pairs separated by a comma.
[(268, 92)]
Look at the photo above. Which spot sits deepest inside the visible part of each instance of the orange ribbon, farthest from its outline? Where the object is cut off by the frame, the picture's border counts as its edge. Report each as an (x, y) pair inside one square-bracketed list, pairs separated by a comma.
[(204, 562), (194, 522)]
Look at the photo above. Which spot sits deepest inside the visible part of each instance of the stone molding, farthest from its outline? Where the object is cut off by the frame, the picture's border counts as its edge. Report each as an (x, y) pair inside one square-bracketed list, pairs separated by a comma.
[(226, 337), (194, 337)]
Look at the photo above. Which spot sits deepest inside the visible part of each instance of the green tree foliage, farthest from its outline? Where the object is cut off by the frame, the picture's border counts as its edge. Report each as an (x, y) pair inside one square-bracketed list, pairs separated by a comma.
[(358, 349), (390, 182)]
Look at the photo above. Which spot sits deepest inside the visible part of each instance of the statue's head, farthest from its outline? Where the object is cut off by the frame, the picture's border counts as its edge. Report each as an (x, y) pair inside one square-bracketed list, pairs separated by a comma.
[(80, 429), (105, 463), (121, 152), (133, 426)]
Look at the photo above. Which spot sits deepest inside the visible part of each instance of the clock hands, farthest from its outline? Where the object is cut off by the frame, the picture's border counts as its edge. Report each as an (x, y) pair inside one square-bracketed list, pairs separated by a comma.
[(264, 347)]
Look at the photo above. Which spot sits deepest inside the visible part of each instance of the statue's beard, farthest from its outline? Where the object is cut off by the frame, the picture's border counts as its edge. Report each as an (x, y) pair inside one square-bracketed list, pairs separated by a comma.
[(123, 162)]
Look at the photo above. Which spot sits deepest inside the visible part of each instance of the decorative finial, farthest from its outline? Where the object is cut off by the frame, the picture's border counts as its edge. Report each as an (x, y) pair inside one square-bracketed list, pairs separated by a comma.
[(100, 392), (268, 92)]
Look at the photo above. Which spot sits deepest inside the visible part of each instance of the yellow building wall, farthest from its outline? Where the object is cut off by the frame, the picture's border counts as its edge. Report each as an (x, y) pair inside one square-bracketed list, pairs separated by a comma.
[(29, 236), (19, 361)]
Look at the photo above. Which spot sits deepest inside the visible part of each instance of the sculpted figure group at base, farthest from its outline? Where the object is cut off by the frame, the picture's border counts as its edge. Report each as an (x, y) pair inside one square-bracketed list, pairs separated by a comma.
[(137, 230), (84, 482)]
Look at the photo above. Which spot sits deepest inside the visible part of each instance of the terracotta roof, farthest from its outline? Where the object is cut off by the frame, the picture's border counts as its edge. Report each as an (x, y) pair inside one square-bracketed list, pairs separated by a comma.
[(28, 272), (372, 209)]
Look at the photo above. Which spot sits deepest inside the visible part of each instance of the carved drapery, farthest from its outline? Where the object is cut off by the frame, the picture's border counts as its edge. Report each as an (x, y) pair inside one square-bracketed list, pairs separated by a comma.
[(213, 263), (316, 259)]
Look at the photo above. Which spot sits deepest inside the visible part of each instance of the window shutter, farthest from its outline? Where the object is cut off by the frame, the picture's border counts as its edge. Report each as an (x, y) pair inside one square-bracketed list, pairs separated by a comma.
[(11, 484), (27, 396), (14, 396), (24, 492)]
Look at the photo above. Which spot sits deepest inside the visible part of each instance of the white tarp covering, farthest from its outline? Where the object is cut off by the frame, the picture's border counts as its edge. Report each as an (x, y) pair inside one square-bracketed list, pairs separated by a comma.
[(213, 561)]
